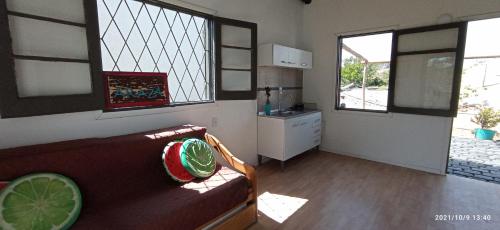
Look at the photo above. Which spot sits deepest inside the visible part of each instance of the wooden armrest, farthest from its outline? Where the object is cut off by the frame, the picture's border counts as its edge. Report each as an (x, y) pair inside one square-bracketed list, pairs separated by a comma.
[(236, 163)]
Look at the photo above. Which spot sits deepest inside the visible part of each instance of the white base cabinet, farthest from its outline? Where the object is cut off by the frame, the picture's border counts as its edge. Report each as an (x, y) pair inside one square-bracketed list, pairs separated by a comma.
[(284, 138)]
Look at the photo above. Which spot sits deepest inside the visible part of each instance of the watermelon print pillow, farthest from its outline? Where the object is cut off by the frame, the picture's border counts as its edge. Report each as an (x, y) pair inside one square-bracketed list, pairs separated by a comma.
[(172, 162), (197, 158)]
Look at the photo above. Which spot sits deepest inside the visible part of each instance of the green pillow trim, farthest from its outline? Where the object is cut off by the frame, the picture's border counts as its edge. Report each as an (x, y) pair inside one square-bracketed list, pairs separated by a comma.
[(197, 158)]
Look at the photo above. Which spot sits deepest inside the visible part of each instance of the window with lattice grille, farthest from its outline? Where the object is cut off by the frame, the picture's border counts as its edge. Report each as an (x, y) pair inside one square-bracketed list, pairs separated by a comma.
[(143, 36)]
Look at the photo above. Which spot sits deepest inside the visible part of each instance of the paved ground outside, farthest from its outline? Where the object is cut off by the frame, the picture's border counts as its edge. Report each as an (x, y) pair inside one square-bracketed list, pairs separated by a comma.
[(476, 159), (376, 98)]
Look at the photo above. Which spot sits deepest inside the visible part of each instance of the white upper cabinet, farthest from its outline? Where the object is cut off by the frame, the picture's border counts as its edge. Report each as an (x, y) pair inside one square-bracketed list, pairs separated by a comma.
[(278, 55), (306, 59)]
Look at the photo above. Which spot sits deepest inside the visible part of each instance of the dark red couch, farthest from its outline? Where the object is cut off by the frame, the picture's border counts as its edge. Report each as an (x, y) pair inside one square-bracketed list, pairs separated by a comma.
[(124, 184)]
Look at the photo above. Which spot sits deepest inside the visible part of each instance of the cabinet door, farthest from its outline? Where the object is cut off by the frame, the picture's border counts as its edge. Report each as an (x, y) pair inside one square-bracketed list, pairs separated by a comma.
[(305, 59), (271, 137), (297, 136), (281, 55), (294, 57)]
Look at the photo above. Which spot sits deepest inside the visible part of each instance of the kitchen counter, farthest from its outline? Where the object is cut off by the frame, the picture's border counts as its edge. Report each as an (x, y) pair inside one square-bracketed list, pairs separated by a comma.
[(290, 114)]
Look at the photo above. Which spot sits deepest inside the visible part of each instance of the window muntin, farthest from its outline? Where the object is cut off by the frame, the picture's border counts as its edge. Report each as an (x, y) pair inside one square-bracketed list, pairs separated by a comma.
[(426, 69), (424, 66), (56, 73), (364, 67), (236, 57), (140, 37)]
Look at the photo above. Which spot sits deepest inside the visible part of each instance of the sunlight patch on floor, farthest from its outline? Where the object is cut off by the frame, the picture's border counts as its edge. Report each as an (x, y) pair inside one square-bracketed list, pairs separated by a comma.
[(279, 207)]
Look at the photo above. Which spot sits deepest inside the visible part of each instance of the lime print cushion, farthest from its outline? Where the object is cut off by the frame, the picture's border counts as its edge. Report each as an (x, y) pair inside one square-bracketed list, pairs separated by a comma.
[(40, 201), (197, 158), (172, 163)]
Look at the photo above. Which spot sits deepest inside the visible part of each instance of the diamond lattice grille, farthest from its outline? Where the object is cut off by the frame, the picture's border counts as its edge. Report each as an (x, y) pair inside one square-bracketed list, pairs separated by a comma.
[(140, 37)]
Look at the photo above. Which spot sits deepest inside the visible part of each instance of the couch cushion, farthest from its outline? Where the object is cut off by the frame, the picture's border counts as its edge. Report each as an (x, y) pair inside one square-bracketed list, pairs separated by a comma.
[(106, 169), (172, 207), (27, 151)]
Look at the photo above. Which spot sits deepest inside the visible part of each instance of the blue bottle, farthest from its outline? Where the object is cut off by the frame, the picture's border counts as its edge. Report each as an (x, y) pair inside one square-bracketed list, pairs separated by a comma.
[(267, 106)]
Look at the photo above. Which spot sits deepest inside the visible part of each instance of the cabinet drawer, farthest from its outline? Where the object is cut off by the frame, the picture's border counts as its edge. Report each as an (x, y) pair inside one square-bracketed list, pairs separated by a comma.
[(297, 122), (317, 122), (316, 141), (317, 132)]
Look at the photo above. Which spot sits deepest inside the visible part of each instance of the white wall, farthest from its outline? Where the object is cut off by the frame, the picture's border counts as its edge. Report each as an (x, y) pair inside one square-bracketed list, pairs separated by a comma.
[(419, 142), (279, 21), (236, 122)]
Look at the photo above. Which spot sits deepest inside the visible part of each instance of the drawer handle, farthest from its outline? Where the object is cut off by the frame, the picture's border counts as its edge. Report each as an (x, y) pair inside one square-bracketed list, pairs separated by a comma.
[(295, 125), (317, 120), (304, 123), (283, 62), (317, 131)]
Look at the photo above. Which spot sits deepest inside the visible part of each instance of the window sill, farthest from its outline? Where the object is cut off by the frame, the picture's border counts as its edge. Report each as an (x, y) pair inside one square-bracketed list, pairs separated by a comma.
[(114, 114), (363, 113)]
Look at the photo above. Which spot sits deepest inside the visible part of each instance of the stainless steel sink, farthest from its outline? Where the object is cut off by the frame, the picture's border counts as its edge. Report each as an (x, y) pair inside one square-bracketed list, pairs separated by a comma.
[(286, 113)]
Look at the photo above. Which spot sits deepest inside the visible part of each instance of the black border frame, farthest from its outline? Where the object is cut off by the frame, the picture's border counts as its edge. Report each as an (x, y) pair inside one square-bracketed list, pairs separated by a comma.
[(459, 50), (221, 94), (339, 72), (11, 105), (181, 9), (211, 64), (457, 75)]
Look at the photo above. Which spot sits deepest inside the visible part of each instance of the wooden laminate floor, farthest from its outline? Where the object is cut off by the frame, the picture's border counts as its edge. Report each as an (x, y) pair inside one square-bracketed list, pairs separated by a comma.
[(339, 192)]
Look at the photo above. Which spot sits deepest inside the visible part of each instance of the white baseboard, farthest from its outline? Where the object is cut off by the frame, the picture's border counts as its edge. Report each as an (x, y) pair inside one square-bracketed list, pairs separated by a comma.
[(405, 165)]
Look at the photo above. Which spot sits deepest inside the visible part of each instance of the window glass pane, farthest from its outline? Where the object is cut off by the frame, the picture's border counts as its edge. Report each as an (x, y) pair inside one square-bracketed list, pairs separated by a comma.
[(424, 81), (70, 10), (48, 39), (364, 72), (236, 58), (236, 36), (41, 78), (482, 40), (236, 80), (439, 39), (139, 37)]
